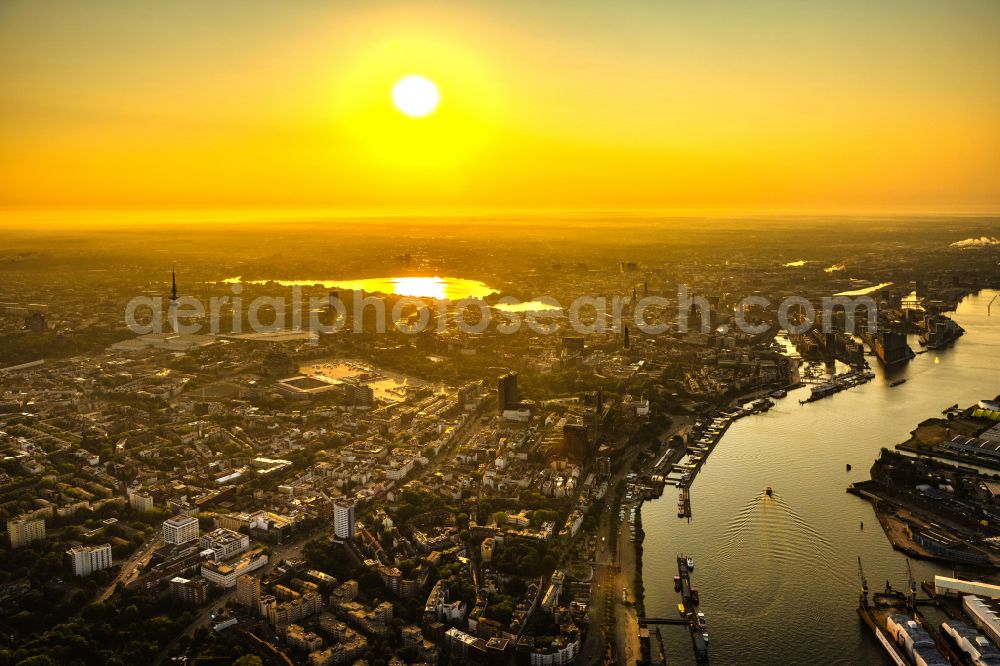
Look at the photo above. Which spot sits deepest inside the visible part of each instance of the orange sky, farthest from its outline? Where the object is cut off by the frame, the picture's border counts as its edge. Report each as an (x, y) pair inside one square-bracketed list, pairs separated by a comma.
[(775, 105)]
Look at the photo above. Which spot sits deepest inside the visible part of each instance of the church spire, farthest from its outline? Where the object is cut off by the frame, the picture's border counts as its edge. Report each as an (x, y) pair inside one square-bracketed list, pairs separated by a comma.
[(173, 278)]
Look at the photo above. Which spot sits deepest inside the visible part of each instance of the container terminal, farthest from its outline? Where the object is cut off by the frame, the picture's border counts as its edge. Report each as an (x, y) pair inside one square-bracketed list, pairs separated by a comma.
[(910, 638)]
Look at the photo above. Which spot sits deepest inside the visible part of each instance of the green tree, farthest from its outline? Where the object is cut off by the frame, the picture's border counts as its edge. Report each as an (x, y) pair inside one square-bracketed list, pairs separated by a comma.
[(248, 660)]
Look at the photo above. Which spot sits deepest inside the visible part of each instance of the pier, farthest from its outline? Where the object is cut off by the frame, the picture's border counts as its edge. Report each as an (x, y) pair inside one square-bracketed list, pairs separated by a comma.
[(838, 383), (684, 504), (689, 617), (695, 621)]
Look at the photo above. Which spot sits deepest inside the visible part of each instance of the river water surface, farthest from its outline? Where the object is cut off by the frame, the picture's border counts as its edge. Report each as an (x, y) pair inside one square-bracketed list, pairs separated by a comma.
[(778, 577)]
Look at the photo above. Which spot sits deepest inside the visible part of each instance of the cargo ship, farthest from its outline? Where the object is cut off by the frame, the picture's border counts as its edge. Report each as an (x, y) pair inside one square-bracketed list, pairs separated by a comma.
[(892, 618), (903, 636)]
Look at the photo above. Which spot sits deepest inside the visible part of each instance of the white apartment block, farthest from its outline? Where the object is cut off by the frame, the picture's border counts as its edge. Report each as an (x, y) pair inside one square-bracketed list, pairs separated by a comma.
[(180, 529), (23, 531), (85, 560), (343, 520)]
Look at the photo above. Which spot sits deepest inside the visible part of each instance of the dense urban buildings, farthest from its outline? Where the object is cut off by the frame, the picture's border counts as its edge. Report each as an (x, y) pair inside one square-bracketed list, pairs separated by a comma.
[(503, 334)]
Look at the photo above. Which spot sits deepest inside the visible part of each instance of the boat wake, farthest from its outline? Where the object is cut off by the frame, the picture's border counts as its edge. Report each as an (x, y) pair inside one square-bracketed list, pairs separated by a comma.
[(772, 532)]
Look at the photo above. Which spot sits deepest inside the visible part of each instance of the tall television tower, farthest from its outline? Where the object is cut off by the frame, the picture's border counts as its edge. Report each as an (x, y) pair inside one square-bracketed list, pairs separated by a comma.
[(172, 313)]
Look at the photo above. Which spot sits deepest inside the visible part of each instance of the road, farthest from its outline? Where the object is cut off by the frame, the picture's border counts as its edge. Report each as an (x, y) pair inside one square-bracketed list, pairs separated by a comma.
[(626, 619), (614, 571), (135, 562), (605, 590)]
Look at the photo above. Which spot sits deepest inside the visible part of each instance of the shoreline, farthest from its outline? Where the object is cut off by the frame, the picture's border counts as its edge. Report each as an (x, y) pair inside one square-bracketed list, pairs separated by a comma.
[(628, 593), (895, 524), (630, 543)]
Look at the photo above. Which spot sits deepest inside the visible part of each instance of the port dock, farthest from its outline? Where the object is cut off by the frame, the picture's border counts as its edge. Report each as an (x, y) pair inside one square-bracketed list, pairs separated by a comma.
[(895, 620), (689, 616), (838, 383), (684, 504)]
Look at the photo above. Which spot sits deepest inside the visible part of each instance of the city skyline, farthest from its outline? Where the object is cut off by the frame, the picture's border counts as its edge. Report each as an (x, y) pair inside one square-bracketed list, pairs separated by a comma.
[(431, 332)]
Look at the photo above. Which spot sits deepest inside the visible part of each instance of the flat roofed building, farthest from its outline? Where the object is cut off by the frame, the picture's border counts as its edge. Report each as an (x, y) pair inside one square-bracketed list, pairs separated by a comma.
[(189, 591), (303, 640), (85, 560), (180, 529), (140, 501), (225, 574), (959, 587), (248, 591), (984, 616), (23, 531), (224, 543), (343, 520)]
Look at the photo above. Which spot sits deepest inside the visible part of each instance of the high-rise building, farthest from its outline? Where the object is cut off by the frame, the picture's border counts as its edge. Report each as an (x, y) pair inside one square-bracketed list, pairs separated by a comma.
[(180, 529), (695, 322), (507, 397), (23, 531), (248, 591), (85, 560), (343, 519), (140, 501), (359, 395), (191, 592), (577, 443)]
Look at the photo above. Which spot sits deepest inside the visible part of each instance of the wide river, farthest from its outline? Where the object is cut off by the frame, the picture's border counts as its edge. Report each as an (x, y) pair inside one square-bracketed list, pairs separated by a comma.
[(778, 579)]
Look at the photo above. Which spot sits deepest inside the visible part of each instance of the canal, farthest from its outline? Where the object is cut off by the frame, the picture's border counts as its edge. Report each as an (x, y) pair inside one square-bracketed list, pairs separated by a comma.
[(778, 578)]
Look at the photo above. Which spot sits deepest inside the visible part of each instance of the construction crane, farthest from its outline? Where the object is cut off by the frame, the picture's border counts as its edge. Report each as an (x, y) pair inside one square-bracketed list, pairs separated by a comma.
[(864, 584), (912, 599)]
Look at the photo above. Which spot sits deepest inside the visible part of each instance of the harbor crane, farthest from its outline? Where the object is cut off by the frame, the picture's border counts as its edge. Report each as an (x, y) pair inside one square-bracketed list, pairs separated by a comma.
[(864, 584)]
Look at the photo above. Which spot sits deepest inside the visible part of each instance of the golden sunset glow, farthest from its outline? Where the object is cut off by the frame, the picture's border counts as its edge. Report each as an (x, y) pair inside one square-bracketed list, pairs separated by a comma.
[(453, 289), (668, 105)]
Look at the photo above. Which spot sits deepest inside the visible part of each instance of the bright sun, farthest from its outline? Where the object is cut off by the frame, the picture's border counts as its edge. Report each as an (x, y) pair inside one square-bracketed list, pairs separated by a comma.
[(415, 96)]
